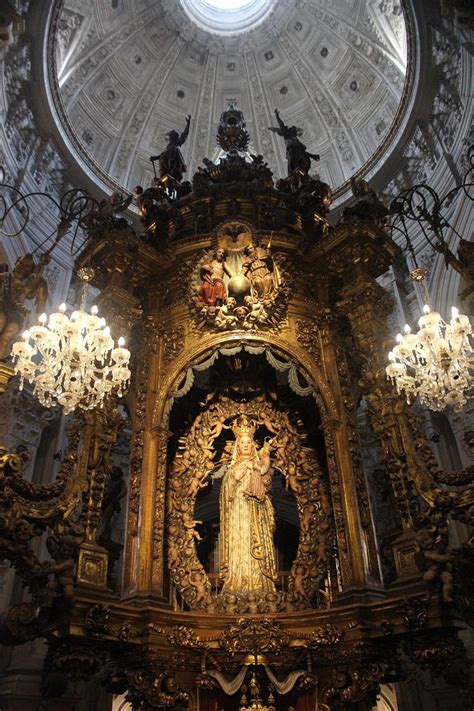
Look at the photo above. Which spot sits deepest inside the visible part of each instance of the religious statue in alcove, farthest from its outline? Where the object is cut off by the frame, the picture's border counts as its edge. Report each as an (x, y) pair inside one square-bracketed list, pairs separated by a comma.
[(171, 159), (296, 154), (247, 551)]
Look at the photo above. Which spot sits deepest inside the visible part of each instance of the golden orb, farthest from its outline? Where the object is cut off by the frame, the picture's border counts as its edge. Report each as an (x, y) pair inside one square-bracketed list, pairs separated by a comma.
[(239, 286)]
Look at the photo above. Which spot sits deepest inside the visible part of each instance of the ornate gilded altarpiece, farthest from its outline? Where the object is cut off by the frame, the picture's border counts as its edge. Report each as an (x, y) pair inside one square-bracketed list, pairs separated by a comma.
[(256, 329)]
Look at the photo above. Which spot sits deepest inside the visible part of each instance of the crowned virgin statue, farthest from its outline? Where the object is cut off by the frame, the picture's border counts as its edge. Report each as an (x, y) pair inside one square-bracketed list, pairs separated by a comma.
[(247, 551)]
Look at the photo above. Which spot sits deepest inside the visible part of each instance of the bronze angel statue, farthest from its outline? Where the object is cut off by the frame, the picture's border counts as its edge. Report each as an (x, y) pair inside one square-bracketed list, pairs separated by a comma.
[(171, 159), (296, 154)]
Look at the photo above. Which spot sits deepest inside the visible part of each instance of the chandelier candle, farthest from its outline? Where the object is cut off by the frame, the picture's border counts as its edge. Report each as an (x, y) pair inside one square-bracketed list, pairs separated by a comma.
[(72, 362)]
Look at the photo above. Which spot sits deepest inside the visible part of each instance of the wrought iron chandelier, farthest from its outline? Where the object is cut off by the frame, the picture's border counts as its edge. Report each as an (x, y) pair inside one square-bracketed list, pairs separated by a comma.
[(72, 361), (435, 362)]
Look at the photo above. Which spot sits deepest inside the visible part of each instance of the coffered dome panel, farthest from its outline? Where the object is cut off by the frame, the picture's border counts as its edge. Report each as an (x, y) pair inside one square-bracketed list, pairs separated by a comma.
[(128, 71)]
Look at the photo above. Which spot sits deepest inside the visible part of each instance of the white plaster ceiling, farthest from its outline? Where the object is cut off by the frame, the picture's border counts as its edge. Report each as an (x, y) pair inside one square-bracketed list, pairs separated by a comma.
[(130, 70)]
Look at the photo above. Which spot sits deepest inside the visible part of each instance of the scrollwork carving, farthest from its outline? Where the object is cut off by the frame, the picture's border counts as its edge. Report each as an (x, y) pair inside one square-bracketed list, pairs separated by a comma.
[(307, 334), (262, 634), (181, 636)]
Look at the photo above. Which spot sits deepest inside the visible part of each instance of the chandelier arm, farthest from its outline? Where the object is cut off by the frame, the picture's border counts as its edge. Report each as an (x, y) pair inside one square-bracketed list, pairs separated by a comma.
[(37, 193), (448, 226), (413, 204), (73, 241), (6, 210), (46, 239), (435, 229), (74, 206), (414, 211), (464, 187), (83, 200), (403, 232), (409, 243)]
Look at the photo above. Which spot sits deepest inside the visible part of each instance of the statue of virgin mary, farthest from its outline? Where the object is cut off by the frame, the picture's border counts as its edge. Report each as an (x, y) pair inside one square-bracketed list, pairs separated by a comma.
[(247, 518)]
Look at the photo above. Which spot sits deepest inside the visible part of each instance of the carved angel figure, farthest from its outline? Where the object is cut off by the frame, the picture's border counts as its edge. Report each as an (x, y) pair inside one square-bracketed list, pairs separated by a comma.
[(296, 154), (25, 282)]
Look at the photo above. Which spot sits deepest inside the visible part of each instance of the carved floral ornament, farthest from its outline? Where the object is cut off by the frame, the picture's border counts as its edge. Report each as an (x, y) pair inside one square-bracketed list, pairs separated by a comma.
[(263, 634)]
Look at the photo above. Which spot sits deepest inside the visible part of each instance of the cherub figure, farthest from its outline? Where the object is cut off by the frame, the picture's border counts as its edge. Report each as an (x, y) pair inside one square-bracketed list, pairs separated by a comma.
[(173, 554), (231, 603), (257, 312), (198, 580), (307, 517), (272, 602), (116, 203), (171, 159), (296, 154), (436, 564), (63, 550), (218, 427), (190, 533), (252, 603), (300, 574), (226, 318), (197, 482)]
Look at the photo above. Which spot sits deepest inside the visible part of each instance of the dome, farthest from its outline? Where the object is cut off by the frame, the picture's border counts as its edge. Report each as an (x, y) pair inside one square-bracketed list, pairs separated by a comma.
[(129, 71)]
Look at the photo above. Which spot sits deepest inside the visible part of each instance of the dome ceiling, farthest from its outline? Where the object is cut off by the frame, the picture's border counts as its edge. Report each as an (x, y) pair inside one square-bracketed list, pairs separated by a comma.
[(128, 71)]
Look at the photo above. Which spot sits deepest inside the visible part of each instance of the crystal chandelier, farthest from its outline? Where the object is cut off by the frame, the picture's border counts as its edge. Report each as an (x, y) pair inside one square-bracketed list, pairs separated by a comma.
[(72, 361), (434, 363)]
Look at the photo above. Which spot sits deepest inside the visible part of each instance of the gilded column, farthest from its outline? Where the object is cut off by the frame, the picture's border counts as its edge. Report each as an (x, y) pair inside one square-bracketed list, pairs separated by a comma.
[(364, 568), (100, 434), (367, 305)]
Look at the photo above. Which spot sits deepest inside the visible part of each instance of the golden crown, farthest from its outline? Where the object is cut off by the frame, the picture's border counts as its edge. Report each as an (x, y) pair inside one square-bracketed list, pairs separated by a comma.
[(242, 425)]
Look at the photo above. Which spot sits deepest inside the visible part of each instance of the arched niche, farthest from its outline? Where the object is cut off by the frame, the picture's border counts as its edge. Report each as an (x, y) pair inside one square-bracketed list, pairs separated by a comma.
[(248, 381)]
